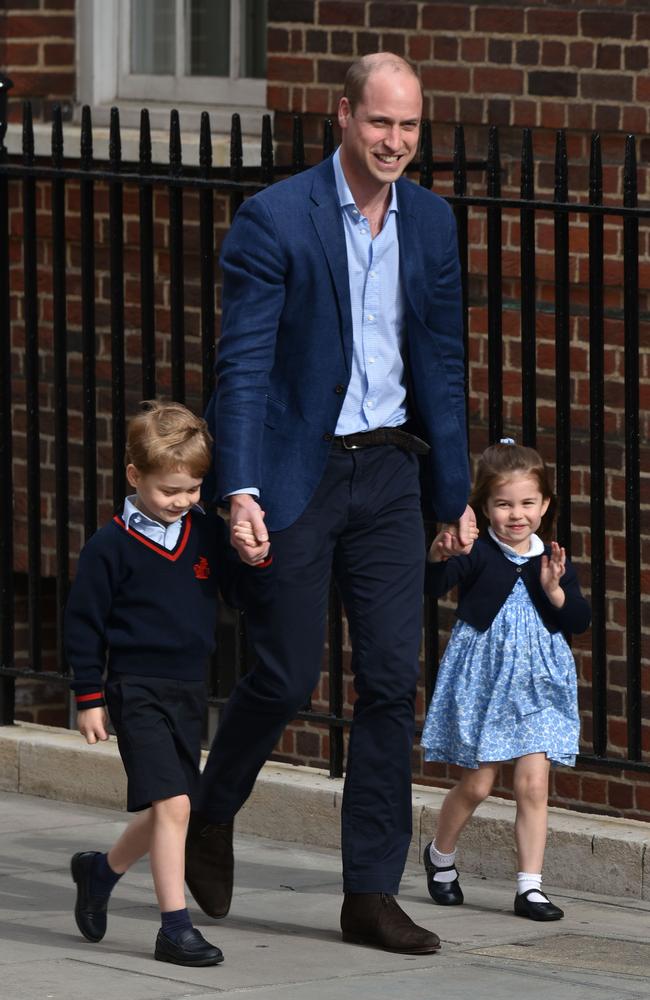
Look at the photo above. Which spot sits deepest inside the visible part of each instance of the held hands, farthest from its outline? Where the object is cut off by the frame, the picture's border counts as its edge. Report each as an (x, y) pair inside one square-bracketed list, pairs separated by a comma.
[(91, 723), (248, 534), (552, 571), (455, 539)]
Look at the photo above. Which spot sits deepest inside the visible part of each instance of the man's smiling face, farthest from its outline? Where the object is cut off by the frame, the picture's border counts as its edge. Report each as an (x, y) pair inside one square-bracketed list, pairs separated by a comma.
[(381, 137)]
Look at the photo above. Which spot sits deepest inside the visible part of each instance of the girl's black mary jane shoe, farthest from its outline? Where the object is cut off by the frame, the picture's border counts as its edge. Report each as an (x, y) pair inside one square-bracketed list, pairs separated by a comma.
[(525, 907), (443, 893)]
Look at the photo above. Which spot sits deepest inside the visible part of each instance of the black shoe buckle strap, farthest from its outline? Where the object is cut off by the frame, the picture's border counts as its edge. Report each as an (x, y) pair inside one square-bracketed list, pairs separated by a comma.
[(383, 435)]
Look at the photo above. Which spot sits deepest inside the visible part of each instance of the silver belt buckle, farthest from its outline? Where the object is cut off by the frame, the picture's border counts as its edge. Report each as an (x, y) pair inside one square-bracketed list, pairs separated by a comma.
[(349, 447)]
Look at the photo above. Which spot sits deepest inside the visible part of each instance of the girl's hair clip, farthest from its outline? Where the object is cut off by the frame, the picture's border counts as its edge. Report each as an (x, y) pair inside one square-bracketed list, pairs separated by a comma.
[(507, 441)]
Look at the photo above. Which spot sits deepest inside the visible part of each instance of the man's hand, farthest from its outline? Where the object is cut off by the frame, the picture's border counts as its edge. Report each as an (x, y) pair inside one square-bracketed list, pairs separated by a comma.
[(464, 530), (91, 723), (248, 535)]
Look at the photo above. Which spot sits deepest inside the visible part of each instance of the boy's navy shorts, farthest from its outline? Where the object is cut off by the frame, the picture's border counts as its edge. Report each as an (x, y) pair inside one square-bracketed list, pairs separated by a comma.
[(158, 723)]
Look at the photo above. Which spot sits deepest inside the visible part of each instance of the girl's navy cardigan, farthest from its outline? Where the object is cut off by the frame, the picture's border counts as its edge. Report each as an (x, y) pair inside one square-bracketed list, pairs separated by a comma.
[(486, 578)]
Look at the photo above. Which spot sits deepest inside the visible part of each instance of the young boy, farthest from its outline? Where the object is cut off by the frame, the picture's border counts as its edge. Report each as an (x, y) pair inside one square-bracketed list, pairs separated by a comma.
[(144, 605)]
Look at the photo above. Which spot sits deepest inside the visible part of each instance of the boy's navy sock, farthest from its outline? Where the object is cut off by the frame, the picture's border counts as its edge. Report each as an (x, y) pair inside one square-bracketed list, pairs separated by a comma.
[(102, 877), (174, 922)]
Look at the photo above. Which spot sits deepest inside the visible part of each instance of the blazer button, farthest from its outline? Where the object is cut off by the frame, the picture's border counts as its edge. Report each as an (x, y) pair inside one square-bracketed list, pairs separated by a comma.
[(327, 437), (339, 390), (519, 569)]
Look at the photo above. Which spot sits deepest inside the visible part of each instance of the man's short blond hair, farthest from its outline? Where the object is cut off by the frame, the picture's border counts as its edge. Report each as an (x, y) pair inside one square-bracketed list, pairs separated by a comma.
[(361, 69), (165, 437)]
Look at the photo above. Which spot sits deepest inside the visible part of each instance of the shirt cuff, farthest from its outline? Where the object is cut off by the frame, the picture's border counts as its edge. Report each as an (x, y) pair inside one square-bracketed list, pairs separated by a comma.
[(251, 490)]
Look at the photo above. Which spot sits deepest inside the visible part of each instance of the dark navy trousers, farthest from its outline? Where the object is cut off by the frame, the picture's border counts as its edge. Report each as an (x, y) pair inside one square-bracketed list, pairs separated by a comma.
[(365, 523)]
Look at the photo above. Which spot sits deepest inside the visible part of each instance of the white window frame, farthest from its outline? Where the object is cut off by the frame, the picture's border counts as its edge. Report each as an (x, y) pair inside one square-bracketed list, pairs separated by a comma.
[(179, 87), (103, 58)]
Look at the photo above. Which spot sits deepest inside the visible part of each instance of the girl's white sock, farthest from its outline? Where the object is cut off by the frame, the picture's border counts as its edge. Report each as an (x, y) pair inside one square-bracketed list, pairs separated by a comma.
[(526, 881), (441, 860)]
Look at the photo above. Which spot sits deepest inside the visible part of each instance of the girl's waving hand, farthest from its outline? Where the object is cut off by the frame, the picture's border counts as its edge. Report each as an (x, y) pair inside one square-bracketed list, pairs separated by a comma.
[(552, 571)]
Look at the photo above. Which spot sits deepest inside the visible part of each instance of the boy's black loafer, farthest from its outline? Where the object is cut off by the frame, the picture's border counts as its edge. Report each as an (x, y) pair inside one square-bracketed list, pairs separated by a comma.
[(190, 948), (525, 907), (89, 911), (443, 893)]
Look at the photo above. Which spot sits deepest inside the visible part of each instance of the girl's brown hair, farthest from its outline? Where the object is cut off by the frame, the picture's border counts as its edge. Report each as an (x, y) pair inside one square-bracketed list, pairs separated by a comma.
[(500, 462), (167, 436)]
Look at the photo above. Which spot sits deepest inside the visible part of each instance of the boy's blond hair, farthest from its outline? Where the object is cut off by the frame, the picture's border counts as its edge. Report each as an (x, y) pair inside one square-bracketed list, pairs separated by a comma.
[(167, 436)]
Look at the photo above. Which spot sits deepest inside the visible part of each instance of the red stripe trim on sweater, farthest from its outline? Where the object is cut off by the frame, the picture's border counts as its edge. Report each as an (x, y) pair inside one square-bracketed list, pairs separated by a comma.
[(90, 697), (160, 549)]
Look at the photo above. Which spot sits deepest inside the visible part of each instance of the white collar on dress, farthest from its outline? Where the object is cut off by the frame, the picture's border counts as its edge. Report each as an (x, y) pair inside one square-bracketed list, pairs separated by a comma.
[(536, 546)]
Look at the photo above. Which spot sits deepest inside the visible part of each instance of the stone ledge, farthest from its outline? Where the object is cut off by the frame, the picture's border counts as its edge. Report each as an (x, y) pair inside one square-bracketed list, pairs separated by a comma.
[(302, 805)]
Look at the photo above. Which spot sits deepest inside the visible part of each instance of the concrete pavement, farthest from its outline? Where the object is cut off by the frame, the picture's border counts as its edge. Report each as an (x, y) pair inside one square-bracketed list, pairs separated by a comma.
[(281, 939)]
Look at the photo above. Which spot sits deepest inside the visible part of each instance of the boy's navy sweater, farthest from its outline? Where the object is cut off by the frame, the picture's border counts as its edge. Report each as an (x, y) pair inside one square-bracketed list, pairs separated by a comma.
[(486, 577), (153, 611)]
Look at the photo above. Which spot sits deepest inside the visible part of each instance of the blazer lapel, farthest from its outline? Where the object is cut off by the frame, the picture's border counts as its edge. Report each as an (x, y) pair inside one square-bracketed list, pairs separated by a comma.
[(326, 217), (411, 253)]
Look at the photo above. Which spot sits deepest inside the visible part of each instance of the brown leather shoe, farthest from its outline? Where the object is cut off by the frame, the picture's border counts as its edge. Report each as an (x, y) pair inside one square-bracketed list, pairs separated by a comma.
[(376, 919), (209, 864)]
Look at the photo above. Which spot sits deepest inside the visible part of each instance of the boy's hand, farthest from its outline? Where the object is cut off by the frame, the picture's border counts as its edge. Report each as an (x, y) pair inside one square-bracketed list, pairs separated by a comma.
[(247, 515), (552, 571), (92, 724), (243, 532)]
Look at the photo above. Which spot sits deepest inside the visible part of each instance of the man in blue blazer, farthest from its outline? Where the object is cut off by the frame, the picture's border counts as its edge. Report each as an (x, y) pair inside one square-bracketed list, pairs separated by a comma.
[(341, 336)]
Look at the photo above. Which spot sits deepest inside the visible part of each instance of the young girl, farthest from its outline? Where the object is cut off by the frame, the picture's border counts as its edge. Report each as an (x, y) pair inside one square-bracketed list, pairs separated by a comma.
[(506, 687)]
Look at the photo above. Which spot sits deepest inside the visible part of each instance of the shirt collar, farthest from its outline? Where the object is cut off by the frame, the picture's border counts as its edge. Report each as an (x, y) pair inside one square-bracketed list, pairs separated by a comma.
[(536, 546), (130, 509), (343, 189)]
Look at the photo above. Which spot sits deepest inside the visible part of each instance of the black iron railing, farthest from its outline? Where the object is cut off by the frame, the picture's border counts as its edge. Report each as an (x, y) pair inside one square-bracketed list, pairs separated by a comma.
[(233, 183)]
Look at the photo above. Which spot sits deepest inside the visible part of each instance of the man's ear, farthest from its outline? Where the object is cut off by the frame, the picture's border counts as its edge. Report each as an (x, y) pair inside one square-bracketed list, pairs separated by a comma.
[(344, 112)]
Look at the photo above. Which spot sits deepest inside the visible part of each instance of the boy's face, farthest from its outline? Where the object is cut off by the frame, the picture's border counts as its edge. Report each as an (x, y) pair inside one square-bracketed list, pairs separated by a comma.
[(164, 496)]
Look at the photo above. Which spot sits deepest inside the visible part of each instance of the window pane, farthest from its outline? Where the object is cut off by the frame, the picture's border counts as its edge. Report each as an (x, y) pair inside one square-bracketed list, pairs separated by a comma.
[(153, 36), (209, 41), (253, 38)]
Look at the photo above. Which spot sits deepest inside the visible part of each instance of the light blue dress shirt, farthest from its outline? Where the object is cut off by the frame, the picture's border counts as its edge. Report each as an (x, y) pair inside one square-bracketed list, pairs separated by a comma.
[(166, 535), (376, 395)]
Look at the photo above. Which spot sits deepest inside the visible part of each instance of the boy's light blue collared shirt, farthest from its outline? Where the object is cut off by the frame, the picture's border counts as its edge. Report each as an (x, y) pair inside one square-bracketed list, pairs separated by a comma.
[(376, 395), (165, 535)]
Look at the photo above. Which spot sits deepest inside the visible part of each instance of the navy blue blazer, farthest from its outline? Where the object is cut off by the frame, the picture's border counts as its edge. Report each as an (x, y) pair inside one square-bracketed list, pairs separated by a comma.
[(286, 342), (486, 578)]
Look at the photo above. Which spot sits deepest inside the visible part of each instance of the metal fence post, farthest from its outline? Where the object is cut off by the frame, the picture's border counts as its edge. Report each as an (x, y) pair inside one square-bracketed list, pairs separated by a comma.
[(7, 683)]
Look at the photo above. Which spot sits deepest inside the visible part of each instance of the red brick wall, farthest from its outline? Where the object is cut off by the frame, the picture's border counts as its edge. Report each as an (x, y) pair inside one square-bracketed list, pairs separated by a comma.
[(577, 65), (37, 52)]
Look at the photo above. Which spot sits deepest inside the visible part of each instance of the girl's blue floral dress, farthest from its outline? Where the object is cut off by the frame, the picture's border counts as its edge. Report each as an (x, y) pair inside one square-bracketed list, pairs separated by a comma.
[(505, 692)]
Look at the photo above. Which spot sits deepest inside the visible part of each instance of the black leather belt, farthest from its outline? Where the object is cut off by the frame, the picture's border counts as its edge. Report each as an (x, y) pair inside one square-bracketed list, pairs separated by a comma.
[(382, 435)]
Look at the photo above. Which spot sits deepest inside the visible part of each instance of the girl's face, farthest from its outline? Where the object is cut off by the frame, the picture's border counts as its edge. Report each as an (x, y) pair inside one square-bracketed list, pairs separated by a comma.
[(515, 510)]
